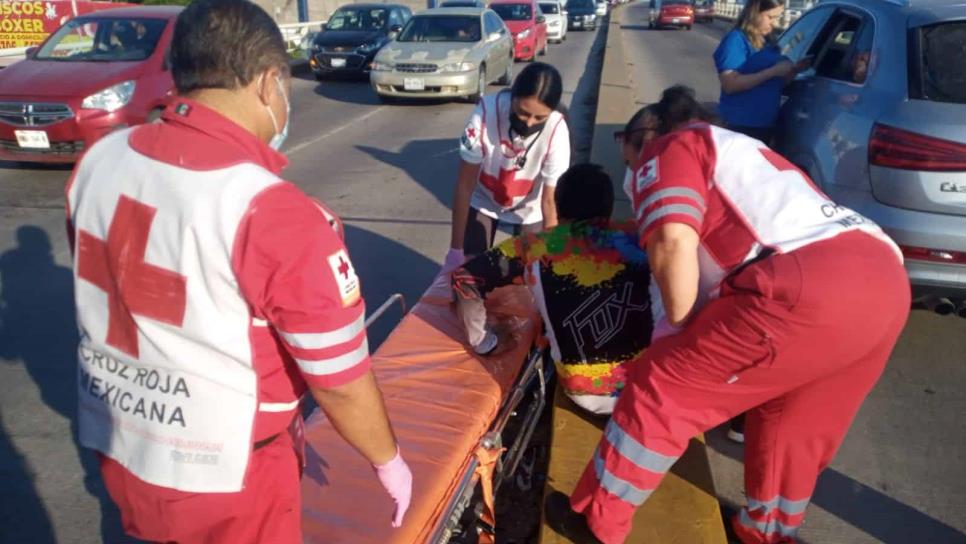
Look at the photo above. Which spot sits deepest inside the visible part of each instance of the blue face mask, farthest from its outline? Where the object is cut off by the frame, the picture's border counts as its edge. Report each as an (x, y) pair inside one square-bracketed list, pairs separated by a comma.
[(279, 138)]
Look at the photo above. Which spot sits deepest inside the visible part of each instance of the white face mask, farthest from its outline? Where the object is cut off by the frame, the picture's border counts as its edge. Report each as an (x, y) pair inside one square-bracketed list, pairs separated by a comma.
[(279, 138), (628, 180)]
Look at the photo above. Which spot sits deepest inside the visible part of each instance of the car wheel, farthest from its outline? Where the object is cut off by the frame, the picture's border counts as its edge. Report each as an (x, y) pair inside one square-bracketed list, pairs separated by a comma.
[(318, 77), (480, 86), (386, 99), (689, 27), (507, 77)]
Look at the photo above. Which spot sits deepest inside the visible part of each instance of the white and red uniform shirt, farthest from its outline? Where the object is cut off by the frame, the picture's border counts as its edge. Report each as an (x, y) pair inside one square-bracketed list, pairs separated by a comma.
[(507, 191), (209, 293), (740, 196)]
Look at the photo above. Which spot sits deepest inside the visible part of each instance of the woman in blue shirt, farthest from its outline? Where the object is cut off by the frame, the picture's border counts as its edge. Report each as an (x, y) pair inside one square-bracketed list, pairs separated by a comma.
[(752, 72)]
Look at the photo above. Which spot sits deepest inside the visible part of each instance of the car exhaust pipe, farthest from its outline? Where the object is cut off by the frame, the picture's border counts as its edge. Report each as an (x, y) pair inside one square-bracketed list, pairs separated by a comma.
[(940, 305), (961, 308)]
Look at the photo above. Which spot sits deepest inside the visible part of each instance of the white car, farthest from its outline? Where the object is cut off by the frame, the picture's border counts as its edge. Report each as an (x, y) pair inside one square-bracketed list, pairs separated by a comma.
[(601, 8), (556, 15)]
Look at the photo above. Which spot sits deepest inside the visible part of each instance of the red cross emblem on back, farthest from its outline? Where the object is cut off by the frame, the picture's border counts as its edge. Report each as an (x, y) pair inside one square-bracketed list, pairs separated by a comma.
[(133, 286)]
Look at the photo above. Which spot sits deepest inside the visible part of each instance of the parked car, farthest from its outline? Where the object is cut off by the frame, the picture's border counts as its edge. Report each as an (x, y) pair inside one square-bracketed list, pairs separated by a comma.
[(353, 35), (879, 122), (556, 20), (528, 25), (581, 14), (601, 8), (703, 11), (445, 52), (95, 74), (665, 13)]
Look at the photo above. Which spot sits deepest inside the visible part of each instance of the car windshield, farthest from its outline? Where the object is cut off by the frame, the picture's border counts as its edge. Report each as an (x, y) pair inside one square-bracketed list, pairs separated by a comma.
[(580, 4), (513, 12), (675, 2), (550, 8), (103, 39), (441, 28), (358, 19), (459, 5)]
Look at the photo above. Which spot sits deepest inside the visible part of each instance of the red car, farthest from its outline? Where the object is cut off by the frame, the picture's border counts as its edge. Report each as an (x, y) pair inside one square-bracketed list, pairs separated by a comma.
[(704, 11), (679, 13), (95, 74), (526, 23)]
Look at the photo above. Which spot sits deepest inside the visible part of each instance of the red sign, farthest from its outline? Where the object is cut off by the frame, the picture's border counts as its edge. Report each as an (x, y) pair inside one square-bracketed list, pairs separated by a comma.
[(24, 23)]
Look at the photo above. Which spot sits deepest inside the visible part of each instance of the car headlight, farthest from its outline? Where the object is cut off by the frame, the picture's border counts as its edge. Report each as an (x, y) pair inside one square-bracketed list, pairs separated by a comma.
[(368, 47), (524, 34), (379, 66), (554, 23), (458, 67), (110, 99), (591, 17)]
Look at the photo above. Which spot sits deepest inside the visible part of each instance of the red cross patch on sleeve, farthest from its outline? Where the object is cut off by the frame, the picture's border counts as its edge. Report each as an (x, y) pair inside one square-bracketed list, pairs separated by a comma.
[(345, 277)]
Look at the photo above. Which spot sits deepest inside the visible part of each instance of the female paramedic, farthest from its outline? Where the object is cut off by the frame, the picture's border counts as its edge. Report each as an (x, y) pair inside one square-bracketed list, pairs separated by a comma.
[(514, 147), (752, 71), (788, 306)]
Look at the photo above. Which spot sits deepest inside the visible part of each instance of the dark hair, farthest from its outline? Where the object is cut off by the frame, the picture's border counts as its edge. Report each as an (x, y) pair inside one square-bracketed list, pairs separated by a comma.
[(224, 44), (584, 192), (748, 14), (636, 138), (678, 105), (541, 81)]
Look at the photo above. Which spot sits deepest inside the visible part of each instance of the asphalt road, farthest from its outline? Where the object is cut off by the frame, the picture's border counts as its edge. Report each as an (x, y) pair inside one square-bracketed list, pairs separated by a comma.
[(899, 476), (387, 170)]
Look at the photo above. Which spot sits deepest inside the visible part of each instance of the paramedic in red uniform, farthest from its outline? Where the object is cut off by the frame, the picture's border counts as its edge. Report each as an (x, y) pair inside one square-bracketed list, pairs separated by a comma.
[(513, 149), (786, 305), (211, 295)]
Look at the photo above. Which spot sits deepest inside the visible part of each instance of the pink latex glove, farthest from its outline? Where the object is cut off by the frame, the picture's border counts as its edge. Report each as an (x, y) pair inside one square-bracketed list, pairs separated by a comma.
[(454, 259), (396, 478), (663, 328)]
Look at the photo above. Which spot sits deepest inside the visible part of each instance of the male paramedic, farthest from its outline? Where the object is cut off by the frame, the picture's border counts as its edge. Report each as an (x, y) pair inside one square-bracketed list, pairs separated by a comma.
[(590, 280), (211, 295), (787, 306)]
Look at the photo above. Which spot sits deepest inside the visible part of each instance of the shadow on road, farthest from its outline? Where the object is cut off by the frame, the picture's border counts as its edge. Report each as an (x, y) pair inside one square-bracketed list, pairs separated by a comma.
[(14, 165), (37, 327), (869, 510), (435, 168)]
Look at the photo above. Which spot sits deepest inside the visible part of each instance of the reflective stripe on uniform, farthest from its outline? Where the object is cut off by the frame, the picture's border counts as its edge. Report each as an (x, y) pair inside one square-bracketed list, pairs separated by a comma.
[(321, 340), (671, 209), (766, 528), (334, 365), (674, 192), (635, 452), (278, 406), (623, 489), (790, 507)]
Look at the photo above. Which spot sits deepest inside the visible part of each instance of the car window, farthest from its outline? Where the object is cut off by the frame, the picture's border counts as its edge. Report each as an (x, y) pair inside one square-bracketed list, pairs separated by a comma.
[(103, 39), (548, 7), (938, 72), (513, 12), (832, 48), (489, 26), (358, 19), (675, 3), (396, 18), (796, 40), (441, 28)]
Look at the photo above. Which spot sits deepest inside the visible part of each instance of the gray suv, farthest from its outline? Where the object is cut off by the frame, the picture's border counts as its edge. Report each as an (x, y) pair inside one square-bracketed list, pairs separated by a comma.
[(879, 121)]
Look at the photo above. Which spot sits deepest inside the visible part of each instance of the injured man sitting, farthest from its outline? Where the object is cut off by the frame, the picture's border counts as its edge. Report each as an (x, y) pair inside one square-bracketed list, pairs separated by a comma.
[(589, 278)]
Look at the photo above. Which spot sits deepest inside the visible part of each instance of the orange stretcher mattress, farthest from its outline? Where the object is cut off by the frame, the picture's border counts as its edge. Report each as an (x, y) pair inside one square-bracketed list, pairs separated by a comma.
[(441, 400)]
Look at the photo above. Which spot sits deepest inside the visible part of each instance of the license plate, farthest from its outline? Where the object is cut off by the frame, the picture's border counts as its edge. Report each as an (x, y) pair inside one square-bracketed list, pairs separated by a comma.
[(577, 23), (414, 84), (338, 63), (676, 20), (32, 139)]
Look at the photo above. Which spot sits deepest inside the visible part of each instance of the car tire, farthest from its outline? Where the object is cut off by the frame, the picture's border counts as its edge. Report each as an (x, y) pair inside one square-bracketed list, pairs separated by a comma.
[(480, 86), (386, 99), (507, 77), (318, 77), (689, 27)]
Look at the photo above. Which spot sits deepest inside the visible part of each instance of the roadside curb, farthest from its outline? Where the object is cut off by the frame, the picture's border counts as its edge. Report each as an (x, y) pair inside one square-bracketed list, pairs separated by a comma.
[(615, 103)]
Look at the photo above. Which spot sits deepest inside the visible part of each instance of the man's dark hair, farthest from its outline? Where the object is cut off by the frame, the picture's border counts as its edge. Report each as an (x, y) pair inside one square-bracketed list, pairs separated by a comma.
[(224, 44), (539, 80), (679, 105), (584, 192)]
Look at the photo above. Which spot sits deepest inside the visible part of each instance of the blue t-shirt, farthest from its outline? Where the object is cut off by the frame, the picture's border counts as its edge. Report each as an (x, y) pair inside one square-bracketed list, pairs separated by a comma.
[(758, 106)]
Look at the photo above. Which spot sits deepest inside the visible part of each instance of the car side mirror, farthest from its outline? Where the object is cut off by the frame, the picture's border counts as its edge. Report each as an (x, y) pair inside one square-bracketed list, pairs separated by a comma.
[(541, 19), (394, 31), (31, 51)]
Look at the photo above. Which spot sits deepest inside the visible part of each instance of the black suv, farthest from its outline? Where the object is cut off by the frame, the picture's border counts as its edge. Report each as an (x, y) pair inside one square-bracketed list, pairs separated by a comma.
[(352, 37), (581, 14)]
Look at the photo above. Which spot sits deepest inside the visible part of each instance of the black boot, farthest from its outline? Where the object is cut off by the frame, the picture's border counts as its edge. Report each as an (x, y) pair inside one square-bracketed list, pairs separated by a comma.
[(565, 522)]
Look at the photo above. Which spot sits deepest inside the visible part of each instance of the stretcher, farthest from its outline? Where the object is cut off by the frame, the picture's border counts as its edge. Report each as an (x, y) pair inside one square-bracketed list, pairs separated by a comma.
[(449, 409)]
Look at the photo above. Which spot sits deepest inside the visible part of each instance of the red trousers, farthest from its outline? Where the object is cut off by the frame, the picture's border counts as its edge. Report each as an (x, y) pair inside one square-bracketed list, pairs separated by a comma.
[(796, 340), (268, 510)]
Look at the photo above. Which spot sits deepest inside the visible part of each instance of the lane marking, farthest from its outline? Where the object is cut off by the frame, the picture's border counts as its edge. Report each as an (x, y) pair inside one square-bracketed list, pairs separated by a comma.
[(295, 149)]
